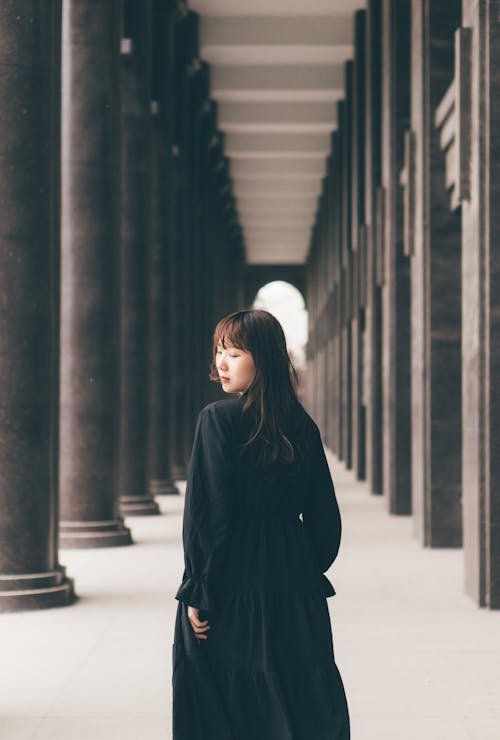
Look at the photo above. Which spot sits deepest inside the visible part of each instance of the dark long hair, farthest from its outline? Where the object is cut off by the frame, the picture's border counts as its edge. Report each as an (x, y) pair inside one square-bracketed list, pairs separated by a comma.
[(271, 397)]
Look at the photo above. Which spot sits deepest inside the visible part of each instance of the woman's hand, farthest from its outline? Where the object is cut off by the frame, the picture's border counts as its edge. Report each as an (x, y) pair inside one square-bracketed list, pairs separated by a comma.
[(198, 626)]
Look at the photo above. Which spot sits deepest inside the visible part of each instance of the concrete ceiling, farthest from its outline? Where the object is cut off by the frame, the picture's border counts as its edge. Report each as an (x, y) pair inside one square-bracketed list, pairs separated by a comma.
[(277, 68)]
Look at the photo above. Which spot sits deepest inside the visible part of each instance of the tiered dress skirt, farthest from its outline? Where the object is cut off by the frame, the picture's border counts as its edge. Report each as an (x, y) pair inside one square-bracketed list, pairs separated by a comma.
[(267, 669)]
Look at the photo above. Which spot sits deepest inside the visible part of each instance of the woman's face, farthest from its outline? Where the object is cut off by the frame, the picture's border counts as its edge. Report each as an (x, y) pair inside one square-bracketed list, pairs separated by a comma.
[(236, 368)]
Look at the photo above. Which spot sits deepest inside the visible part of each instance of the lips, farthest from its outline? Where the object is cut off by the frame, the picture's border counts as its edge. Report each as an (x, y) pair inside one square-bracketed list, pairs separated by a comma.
[(223, 378)]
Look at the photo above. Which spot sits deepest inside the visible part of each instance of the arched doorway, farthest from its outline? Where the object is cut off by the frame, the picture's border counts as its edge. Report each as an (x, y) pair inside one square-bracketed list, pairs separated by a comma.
[(287, 304)]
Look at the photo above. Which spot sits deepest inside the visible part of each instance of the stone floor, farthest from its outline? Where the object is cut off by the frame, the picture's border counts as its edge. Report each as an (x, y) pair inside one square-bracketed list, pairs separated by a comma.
[(418, 659)]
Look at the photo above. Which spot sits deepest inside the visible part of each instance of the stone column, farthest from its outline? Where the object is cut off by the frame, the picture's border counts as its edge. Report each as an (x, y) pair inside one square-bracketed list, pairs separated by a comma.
[(373, 311), (330, 313), (320, 321), (197, 90), (135, 97), (189, 379), (162, 211), (317, 328), (30, 574), (396, 429), (186, 50), (197, 345), (314, 304), (176, 416), (358, 247), (311, 339), (326, 360), (208, 201), (335, 312), (208, 121), (90, 168), (481, 309), (207, 256), (435, 290), (345, 447)]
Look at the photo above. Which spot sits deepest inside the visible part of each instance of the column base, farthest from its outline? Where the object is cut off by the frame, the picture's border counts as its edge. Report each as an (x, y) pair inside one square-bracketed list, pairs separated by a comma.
[(179, 472), (163, 487), (75, 535), (138, 506), (30, 591)]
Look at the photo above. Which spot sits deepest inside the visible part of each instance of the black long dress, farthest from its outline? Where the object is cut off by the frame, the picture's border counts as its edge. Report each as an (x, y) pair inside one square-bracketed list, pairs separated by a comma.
[(255, 570)]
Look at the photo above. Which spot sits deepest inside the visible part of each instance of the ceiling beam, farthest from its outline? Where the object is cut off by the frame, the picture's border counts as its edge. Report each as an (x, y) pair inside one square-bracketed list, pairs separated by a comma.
[(276, 187), (316, 144), (292, 82), (277, 205), (275, 32), (277, 220), (243, 168), (239, 8), (277, 117)]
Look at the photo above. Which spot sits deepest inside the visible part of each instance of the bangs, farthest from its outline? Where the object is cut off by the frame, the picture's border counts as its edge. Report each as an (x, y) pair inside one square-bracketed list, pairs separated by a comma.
[(230, 331)]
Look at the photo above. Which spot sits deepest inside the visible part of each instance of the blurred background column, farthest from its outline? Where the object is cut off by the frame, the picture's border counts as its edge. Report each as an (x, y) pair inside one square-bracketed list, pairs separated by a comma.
[(211, 389), (186, 55), (161, 346), (323, 323), (435, 288), (372, 368), (198, 345), (395, 264), (345, 278), (478, 79), (90, 171), (135, 98), (330, 311), (357, 263)]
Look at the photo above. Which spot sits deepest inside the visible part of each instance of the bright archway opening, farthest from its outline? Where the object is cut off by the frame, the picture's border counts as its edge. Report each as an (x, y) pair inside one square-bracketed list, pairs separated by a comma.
[(285, 302)]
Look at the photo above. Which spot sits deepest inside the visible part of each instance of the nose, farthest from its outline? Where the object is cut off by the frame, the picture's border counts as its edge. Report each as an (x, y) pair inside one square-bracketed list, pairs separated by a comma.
[(222, 364)]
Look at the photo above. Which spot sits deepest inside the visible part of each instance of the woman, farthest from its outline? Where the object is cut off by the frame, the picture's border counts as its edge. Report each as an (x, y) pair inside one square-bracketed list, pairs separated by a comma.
[(252, 653)]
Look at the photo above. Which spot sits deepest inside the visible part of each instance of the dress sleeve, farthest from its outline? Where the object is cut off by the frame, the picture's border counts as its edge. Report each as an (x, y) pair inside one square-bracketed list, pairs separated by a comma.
[(321, 515), (207, 509)]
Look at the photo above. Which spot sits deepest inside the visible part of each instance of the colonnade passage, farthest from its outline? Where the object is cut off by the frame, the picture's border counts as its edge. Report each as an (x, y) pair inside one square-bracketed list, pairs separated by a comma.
[(120, 249), (132, 218), (403, 275)]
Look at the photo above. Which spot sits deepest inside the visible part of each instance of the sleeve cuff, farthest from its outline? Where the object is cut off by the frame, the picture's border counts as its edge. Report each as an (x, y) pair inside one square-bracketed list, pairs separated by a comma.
[(194, 593), (326, 587)]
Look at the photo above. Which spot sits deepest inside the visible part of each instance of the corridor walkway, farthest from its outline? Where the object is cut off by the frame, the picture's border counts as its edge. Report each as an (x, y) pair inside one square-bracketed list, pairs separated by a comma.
[(418, 659)]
